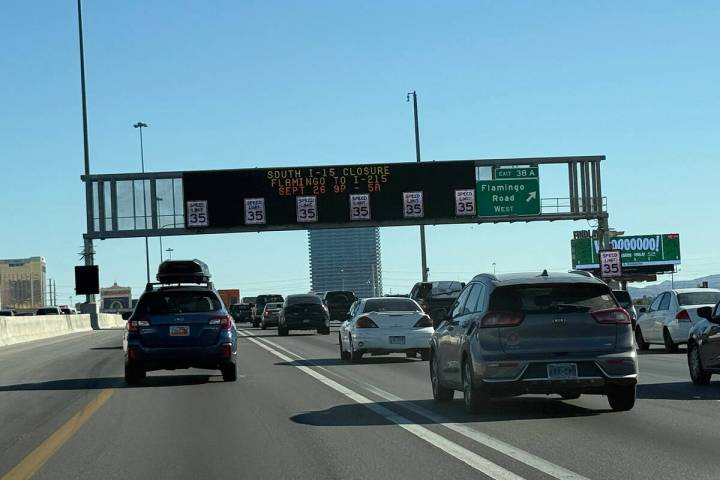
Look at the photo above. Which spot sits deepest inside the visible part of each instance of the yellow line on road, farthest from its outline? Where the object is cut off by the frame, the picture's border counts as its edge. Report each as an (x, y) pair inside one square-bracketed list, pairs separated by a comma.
[(34, 461)]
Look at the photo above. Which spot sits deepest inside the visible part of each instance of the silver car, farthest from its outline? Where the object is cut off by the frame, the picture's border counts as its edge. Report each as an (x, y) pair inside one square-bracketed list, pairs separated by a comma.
[(547, 333)]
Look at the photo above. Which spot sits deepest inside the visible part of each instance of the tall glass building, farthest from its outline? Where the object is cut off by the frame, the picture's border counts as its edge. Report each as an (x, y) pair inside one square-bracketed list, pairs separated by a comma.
[(346, 259)]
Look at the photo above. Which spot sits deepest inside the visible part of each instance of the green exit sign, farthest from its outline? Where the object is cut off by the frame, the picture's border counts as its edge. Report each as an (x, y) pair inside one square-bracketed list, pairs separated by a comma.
[(508, 197), (500, 173)]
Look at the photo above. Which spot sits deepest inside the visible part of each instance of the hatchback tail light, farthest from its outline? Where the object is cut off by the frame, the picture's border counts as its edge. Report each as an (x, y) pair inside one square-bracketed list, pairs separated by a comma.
[(424, 322), (502, 319), (225, 321), (133, 325), (365, 322), (611, 315), (682, 316)]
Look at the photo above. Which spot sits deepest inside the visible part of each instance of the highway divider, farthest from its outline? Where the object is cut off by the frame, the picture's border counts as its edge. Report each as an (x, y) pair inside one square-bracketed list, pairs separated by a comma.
[(21, 329)]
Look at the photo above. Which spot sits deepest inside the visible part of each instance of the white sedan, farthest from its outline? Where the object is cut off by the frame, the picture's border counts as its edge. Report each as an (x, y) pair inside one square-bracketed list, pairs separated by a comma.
[(385, 325), (671, 315)]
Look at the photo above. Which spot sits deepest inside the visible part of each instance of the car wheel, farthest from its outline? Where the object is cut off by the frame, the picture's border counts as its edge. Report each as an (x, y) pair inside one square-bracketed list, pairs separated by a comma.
[(697, 373), (410, 354), (229, 372), (263, 326), (670, 346), (640, 340), (570, 396), (255, 324), (134, 374), (621, 398), (324, 331), (440, 393), (475, 399), (355, 356), (283, 331), (425, 354), (343, 354)]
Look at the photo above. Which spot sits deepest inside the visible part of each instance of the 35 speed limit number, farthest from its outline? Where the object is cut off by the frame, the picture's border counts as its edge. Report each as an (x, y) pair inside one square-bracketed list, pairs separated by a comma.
[(464, 202), (413, 206), (306, 209), (255, 211), (360, 206), (197, 214), (610, 263)]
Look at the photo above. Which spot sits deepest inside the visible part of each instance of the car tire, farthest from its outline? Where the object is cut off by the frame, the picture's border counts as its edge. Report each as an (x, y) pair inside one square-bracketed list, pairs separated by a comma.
[(698, 374), (640, 339), (425, 354), (410, 354), (355, 356), (440, 393), (343, 354), (474, 398), (621, 398), (670, 346), (263, 326), (134, 374), (323, 331), (229, 372), (255, 324), (283, 331)]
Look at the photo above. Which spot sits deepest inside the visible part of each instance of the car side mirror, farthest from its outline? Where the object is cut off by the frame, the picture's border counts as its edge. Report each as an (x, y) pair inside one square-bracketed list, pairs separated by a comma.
[(705, 312), (643, 309)]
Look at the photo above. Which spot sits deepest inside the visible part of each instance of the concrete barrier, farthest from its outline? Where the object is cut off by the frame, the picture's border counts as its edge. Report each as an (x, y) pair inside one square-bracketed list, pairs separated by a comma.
[(15, 330)]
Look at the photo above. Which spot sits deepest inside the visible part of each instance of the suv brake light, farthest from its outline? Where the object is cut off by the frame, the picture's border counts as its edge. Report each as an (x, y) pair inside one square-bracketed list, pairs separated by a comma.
[(425, 321), (682, 316), (502, 319), (611, 315), (365, 322), (133, 325), (225, 321)]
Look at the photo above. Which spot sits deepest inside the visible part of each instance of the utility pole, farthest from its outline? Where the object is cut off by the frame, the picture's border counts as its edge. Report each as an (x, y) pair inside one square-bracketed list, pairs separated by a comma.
[(49, 295), (140, 126), (423, 252), (54, 293), (169, 250), (88, 251)]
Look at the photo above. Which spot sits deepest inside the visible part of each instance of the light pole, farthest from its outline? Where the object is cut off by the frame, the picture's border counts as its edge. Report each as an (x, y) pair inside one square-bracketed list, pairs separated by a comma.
[(170, 250), (493, 264), (423, 253), (160, 238), (140, 126)]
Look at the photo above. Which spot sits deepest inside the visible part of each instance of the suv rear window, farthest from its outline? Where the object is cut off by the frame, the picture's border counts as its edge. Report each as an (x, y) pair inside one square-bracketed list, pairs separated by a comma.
[(299, 299), (159, 303), (622, 297), (391, 305), (340, 297), (699, 298), (552, 298)]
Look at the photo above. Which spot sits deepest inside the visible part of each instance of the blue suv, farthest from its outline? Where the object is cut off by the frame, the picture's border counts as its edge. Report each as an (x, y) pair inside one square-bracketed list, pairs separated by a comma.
[(180, 322)]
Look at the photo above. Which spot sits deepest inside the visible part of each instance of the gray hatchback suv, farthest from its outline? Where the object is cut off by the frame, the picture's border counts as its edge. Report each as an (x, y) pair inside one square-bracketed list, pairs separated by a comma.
[(552, 333)]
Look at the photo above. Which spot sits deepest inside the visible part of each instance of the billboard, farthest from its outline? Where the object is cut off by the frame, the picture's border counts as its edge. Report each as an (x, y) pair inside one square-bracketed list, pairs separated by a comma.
[(659, 250), (340, 194)]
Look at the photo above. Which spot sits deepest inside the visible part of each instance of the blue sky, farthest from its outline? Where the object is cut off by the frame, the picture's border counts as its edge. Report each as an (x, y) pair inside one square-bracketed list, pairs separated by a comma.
[(270, 83)]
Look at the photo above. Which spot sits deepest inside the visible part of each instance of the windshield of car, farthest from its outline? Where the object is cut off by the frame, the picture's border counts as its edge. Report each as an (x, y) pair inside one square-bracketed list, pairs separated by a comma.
[(698, 298), (391, 305), (303, 299), (552, 298), (623, 298), (340, 297), (273, 306), (159, 303)]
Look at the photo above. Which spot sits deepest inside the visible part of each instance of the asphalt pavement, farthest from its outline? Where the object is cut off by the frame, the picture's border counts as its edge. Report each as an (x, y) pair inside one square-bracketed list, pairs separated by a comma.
[(297, 411)]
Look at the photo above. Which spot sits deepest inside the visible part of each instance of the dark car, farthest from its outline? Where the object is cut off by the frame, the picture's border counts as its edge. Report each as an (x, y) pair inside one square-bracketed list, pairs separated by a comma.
[(338, 304), (625, 301), (270, 315), (704, 345), (259, 307), (552, 333), (7, 312), (241, 312), (304, 312), (49, 311), (436, 298), (180, 325)]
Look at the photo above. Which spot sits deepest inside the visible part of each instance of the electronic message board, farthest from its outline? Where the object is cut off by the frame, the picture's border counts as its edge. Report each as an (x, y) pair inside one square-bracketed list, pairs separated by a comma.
[(338, 194)]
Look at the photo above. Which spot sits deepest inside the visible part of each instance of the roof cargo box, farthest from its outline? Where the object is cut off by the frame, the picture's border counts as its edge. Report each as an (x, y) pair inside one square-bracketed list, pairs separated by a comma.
[(183, 271)]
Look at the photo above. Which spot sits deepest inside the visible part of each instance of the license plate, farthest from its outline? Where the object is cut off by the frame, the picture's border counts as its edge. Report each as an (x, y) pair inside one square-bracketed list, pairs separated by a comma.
[(562, 371), (397, 340), (179, 331)]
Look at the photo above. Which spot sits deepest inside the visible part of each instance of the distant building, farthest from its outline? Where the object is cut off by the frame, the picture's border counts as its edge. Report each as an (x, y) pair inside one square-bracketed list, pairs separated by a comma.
[(346, 259), (22, 283), (116, 299)]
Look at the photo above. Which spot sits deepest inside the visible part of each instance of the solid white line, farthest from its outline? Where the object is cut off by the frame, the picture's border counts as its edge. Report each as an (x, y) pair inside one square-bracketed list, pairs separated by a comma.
[(518, 454), (472, 459)]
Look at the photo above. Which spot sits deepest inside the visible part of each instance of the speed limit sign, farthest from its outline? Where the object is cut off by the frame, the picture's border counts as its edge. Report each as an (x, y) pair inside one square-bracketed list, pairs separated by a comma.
[(464, 202), (360, 206), (197, 214), (255, 211), (306, 209), (610, 263), (413, 205)]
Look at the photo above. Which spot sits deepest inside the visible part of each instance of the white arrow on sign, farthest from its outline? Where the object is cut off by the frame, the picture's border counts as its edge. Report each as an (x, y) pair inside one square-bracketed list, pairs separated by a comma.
[(531, 196)]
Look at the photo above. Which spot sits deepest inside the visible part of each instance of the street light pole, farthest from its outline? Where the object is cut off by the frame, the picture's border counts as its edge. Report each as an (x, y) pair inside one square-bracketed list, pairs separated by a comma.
[(169, 250), (140, 126), (423, 252)]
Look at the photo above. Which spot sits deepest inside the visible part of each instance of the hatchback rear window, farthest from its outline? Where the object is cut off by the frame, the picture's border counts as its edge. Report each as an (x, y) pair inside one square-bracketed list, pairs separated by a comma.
[(340, 297), (699, 298), (552, 298), (300, 299), (391, 305), (159, 303)]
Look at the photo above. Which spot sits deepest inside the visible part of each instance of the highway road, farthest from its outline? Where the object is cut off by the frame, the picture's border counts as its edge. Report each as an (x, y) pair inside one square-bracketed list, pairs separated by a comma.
[(299, 412)]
